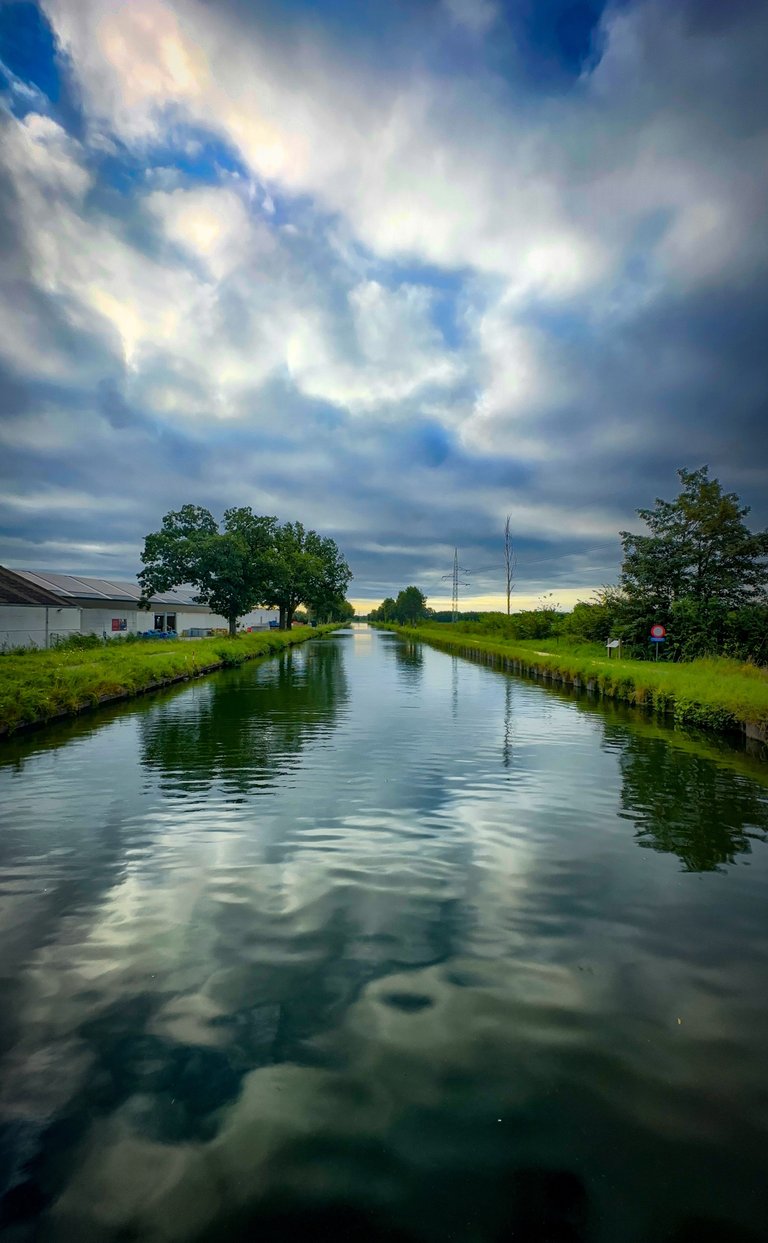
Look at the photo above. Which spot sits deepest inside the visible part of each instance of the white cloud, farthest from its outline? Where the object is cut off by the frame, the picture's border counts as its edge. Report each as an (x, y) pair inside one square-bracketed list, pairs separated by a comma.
[(475, 16), (418, 167), (45, 160), (213, 224), (205, 319), (399, 351), (446, 171)]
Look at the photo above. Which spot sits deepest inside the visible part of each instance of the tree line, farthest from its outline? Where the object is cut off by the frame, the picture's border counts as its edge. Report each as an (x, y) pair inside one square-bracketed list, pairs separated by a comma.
[(698, 570), (409, 607), (249, 561)]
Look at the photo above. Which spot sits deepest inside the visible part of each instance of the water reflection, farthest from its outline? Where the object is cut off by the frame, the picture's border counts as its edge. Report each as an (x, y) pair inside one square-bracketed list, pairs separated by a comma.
[(242, 730), (508, 743), (409, 658), (685, 805), (330, 966)]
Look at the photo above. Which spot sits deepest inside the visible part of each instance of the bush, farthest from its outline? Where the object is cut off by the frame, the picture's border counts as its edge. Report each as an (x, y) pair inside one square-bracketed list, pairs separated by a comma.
[(695, 629), (591, 622)]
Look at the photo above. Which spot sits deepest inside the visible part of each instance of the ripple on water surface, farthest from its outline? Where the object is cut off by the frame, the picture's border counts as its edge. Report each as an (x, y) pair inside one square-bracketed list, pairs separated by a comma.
[(367, 938)]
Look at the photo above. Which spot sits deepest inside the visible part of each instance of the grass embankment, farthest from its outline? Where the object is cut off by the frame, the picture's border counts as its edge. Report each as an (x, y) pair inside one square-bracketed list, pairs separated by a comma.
[(714, 693), (37, 686)]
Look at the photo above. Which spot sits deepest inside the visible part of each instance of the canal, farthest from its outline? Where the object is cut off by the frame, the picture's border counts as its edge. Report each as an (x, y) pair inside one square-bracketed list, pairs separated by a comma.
[(371, 942)]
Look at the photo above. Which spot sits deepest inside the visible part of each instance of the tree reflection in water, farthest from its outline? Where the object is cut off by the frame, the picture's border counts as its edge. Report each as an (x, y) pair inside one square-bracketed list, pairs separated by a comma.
[(409, 658), (684, 804), (246, 727)]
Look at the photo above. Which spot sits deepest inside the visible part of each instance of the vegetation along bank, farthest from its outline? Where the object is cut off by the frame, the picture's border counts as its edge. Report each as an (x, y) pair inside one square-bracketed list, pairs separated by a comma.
[(38, 686), (714, 693)]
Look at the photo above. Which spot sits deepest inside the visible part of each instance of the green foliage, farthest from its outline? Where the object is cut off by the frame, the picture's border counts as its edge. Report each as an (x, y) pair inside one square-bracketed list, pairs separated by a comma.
[(409, 607), (38, 685), (445, 615), (699, 547), (594, 621), (79, 642), (695, 628), (228, 567), (334, 609), (251, 561), (385, 612), (537, 623), (715, 693), (700, 572), (304, 568)]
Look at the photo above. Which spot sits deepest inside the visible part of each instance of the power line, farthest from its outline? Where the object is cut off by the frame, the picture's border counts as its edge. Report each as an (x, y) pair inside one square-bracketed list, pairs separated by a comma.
[(561, 556)]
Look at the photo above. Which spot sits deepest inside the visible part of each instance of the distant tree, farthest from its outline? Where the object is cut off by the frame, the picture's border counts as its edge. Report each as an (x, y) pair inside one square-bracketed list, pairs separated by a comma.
[(305, 568), (385, 612), (510, 562), (334, 609), (699, 547), (410, 606), (228, 566)]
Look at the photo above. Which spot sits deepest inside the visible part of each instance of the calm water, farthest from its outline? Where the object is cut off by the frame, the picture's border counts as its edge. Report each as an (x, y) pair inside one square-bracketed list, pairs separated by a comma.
[(371, 942)]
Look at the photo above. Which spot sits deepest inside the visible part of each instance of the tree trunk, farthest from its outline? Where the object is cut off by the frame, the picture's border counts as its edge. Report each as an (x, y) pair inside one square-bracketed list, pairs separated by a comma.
[(282, 617), (232, 627), (289, 618), (509, 562)]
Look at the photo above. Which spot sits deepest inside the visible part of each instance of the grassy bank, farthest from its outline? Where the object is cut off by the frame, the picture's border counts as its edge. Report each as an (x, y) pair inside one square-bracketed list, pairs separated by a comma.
[(715, 693), (37, 686)]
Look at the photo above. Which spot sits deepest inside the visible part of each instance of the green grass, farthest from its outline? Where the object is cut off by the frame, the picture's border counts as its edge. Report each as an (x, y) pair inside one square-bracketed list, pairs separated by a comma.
[(714, 693), (36, 686)]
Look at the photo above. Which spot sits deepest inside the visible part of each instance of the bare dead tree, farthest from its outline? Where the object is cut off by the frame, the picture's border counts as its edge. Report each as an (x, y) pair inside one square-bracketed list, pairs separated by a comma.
[(510, 562)]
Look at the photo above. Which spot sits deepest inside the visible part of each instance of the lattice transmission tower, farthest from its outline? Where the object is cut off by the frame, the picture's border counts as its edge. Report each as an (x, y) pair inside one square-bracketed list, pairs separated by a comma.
[(456, 582)]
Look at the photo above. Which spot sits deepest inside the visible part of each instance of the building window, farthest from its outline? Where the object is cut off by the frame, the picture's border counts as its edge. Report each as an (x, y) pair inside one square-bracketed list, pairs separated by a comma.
[(165, 621)]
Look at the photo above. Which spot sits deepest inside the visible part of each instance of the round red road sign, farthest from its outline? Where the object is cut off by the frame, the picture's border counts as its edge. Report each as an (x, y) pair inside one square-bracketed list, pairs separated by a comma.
[(658, 632)]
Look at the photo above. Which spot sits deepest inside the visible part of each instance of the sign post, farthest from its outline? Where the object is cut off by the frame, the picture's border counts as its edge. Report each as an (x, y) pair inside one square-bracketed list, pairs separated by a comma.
[(611, 644), (658, 635)]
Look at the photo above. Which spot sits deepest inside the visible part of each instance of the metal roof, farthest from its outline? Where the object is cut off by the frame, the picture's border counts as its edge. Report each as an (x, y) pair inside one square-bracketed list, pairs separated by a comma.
[(71, 587), (15, 589)]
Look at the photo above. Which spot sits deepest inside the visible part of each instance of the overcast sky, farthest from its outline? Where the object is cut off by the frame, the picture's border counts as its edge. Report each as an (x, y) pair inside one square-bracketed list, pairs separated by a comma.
[(395, 268)]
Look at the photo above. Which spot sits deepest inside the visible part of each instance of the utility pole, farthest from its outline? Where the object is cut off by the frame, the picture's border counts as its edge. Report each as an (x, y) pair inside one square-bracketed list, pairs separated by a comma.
[(456, 582)]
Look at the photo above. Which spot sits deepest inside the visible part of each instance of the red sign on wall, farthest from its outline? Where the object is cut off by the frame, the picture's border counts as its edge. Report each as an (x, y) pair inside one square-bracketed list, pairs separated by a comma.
[(119, 623)]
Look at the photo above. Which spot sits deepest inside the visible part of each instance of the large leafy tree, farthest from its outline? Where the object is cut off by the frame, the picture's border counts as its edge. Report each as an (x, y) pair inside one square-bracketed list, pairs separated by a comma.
[(699, 547), (306, 568), (410, 605), (229, 566)]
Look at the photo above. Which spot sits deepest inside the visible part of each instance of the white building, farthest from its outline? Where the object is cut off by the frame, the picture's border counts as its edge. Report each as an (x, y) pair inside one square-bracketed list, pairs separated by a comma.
[(38, 608), (31, 615)]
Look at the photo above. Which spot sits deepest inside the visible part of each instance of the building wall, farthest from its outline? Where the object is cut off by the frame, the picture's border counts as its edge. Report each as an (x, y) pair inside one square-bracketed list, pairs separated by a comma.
[(23, 625), (98, 620), (259, 617)]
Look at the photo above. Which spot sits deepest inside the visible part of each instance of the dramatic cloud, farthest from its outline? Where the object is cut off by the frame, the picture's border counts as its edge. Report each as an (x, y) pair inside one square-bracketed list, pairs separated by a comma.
[(397, 275)]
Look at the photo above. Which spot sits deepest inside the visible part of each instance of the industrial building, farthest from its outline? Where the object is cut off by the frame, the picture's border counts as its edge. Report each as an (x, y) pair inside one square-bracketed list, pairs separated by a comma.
[(40, 608)]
